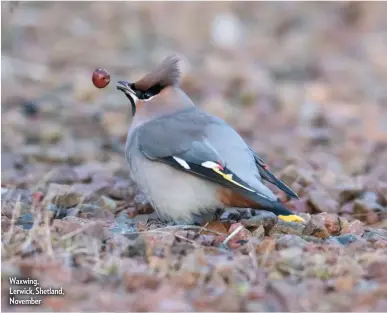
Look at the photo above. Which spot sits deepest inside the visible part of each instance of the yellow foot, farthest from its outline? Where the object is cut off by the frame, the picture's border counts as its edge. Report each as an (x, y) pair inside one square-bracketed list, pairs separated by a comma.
[(291, 218)]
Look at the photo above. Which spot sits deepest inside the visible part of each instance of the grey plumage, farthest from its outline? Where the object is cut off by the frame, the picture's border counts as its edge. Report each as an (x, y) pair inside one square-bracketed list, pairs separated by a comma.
[(182, 157)]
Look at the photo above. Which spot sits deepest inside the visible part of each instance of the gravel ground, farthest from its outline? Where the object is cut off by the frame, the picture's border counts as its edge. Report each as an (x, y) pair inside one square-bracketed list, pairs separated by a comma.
[(304, 83)]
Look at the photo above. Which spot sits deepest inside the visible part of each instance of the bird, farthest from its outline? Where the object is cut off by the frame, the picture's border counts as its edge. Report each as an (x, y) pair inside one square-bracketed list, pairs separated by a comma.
[(187, 161)]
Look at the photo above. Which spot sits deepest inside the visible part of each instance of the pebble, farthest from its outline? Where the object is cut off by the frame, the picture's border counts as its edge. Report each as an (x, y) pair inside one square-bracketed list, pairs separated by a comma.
[(287, 241), (108, 204), (372, 234), (58, 212), (344, 239), (293, 228), (261, 218), (92, 211), (320, 201), (62, 195), (26, 221)]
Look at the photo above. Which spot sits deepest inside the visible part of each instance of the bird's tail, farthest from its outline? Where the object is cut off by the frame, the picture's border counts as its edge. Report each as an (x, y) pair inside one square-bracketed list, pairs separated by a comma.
[(274, 206)]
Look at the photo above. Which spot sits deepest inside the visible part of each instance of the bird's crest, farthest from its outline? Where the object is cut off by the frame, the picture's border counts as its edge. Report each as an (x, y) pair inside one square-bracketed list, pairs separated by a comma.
[(166, 74)]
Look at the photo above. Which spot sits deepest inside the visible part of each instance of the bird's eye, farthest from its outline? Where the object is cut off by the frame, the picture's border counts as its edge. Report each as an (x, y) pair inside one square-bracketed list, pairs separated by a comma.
[(146, 96)]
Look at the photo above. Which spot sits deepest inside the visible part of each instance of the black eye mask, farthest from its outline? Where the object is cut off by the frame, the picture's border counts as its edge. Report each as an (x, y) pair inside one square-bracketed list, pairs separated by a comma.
[(146, 94)]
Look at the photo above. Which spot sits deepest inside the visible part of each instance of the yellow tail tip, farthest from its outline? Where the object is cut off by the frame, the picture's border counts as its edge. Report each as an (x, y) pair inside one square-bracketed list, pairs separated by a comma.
[(291, 218)]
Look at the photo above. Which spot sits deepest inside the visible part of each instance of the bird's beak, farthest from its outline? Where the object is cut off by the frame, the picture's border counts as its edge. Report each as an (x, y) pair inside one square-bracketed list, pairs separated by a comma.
[(124, 86)]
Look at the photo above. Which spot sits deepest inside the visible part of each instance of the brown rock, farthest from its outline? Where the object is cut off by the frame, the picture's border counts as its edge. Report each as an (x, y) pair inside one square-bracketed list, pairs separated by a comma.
[(320, 201), (287, 228), (62, 175), (142, 205), (92, 191), (261, 218), (377, 270), (291, 174), (316, 227), (345, 283), (300, 206), (135, 281), (366, 207), (108, 204), (355, 227), (243, 234), (71, 224), (5, 224), (266, 246), (288, 241), (332, 223), (122, 190), (216, 226), (259, 233), (12, 195), (86, 171), (62, 195), (95, 212), (349, 191)]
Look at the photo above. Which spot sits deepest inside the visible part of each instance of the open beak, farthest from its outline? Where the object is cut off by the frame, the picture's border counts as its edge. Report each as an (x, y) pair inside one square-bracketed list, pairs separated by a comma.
[(124, 86)]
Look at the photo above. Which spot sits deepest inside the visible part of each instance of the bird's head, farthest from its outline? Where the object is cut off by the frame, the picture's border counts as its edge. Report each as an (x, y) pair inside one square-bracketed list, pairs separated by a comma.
[(167, 74)]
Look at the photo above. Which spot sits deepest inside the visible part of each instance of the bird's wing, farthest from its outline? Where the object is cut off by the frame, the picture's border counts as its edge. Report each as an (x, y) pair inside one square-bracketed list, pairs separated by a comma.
[(268, 176), (179, 140)]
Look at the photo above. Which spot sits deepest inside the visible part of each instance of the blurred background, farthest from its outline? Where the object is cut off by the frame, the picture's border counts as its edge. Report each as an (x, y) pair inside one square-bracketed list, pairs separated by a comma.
[(303, 82)]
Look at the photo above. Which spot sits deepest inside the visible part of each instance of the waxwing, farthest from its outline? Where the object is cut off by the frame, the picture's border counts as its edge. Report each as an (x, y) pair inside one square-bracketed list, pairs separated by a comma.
[(188, 162)]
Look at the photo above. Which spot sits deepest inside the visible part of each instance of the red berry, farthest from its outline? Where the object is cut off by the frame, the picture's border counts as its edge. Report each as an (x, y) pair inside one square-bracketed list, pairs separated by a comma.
[(101, 78)]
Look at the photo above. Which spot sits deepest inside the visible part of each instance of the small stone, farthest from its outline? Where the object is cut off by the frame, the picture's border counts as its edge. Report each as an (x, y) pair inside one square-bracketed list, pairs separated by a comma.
[(93, 191), (315, 227), (142, 204), (287, 228), (86, 171), (345, 283), (291, 257), (348, 192), (230, 214), (108, 204), (5, 224), (122, 190), (346, 239), (70, 224), (332, 223), (62, 195), (366, 207), (122, 228), (320, 201), (56, 211), (30, 108), (26, 221), (287, 241), (12, 195), (243, 233), (356, 227), (62, 175), (259, 233), (262, 218), (72, 212), (51, 133), (135, 281), (123, 217), (312, 239), (299, 206), (91, 211), (372, 234), (291, 174)]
